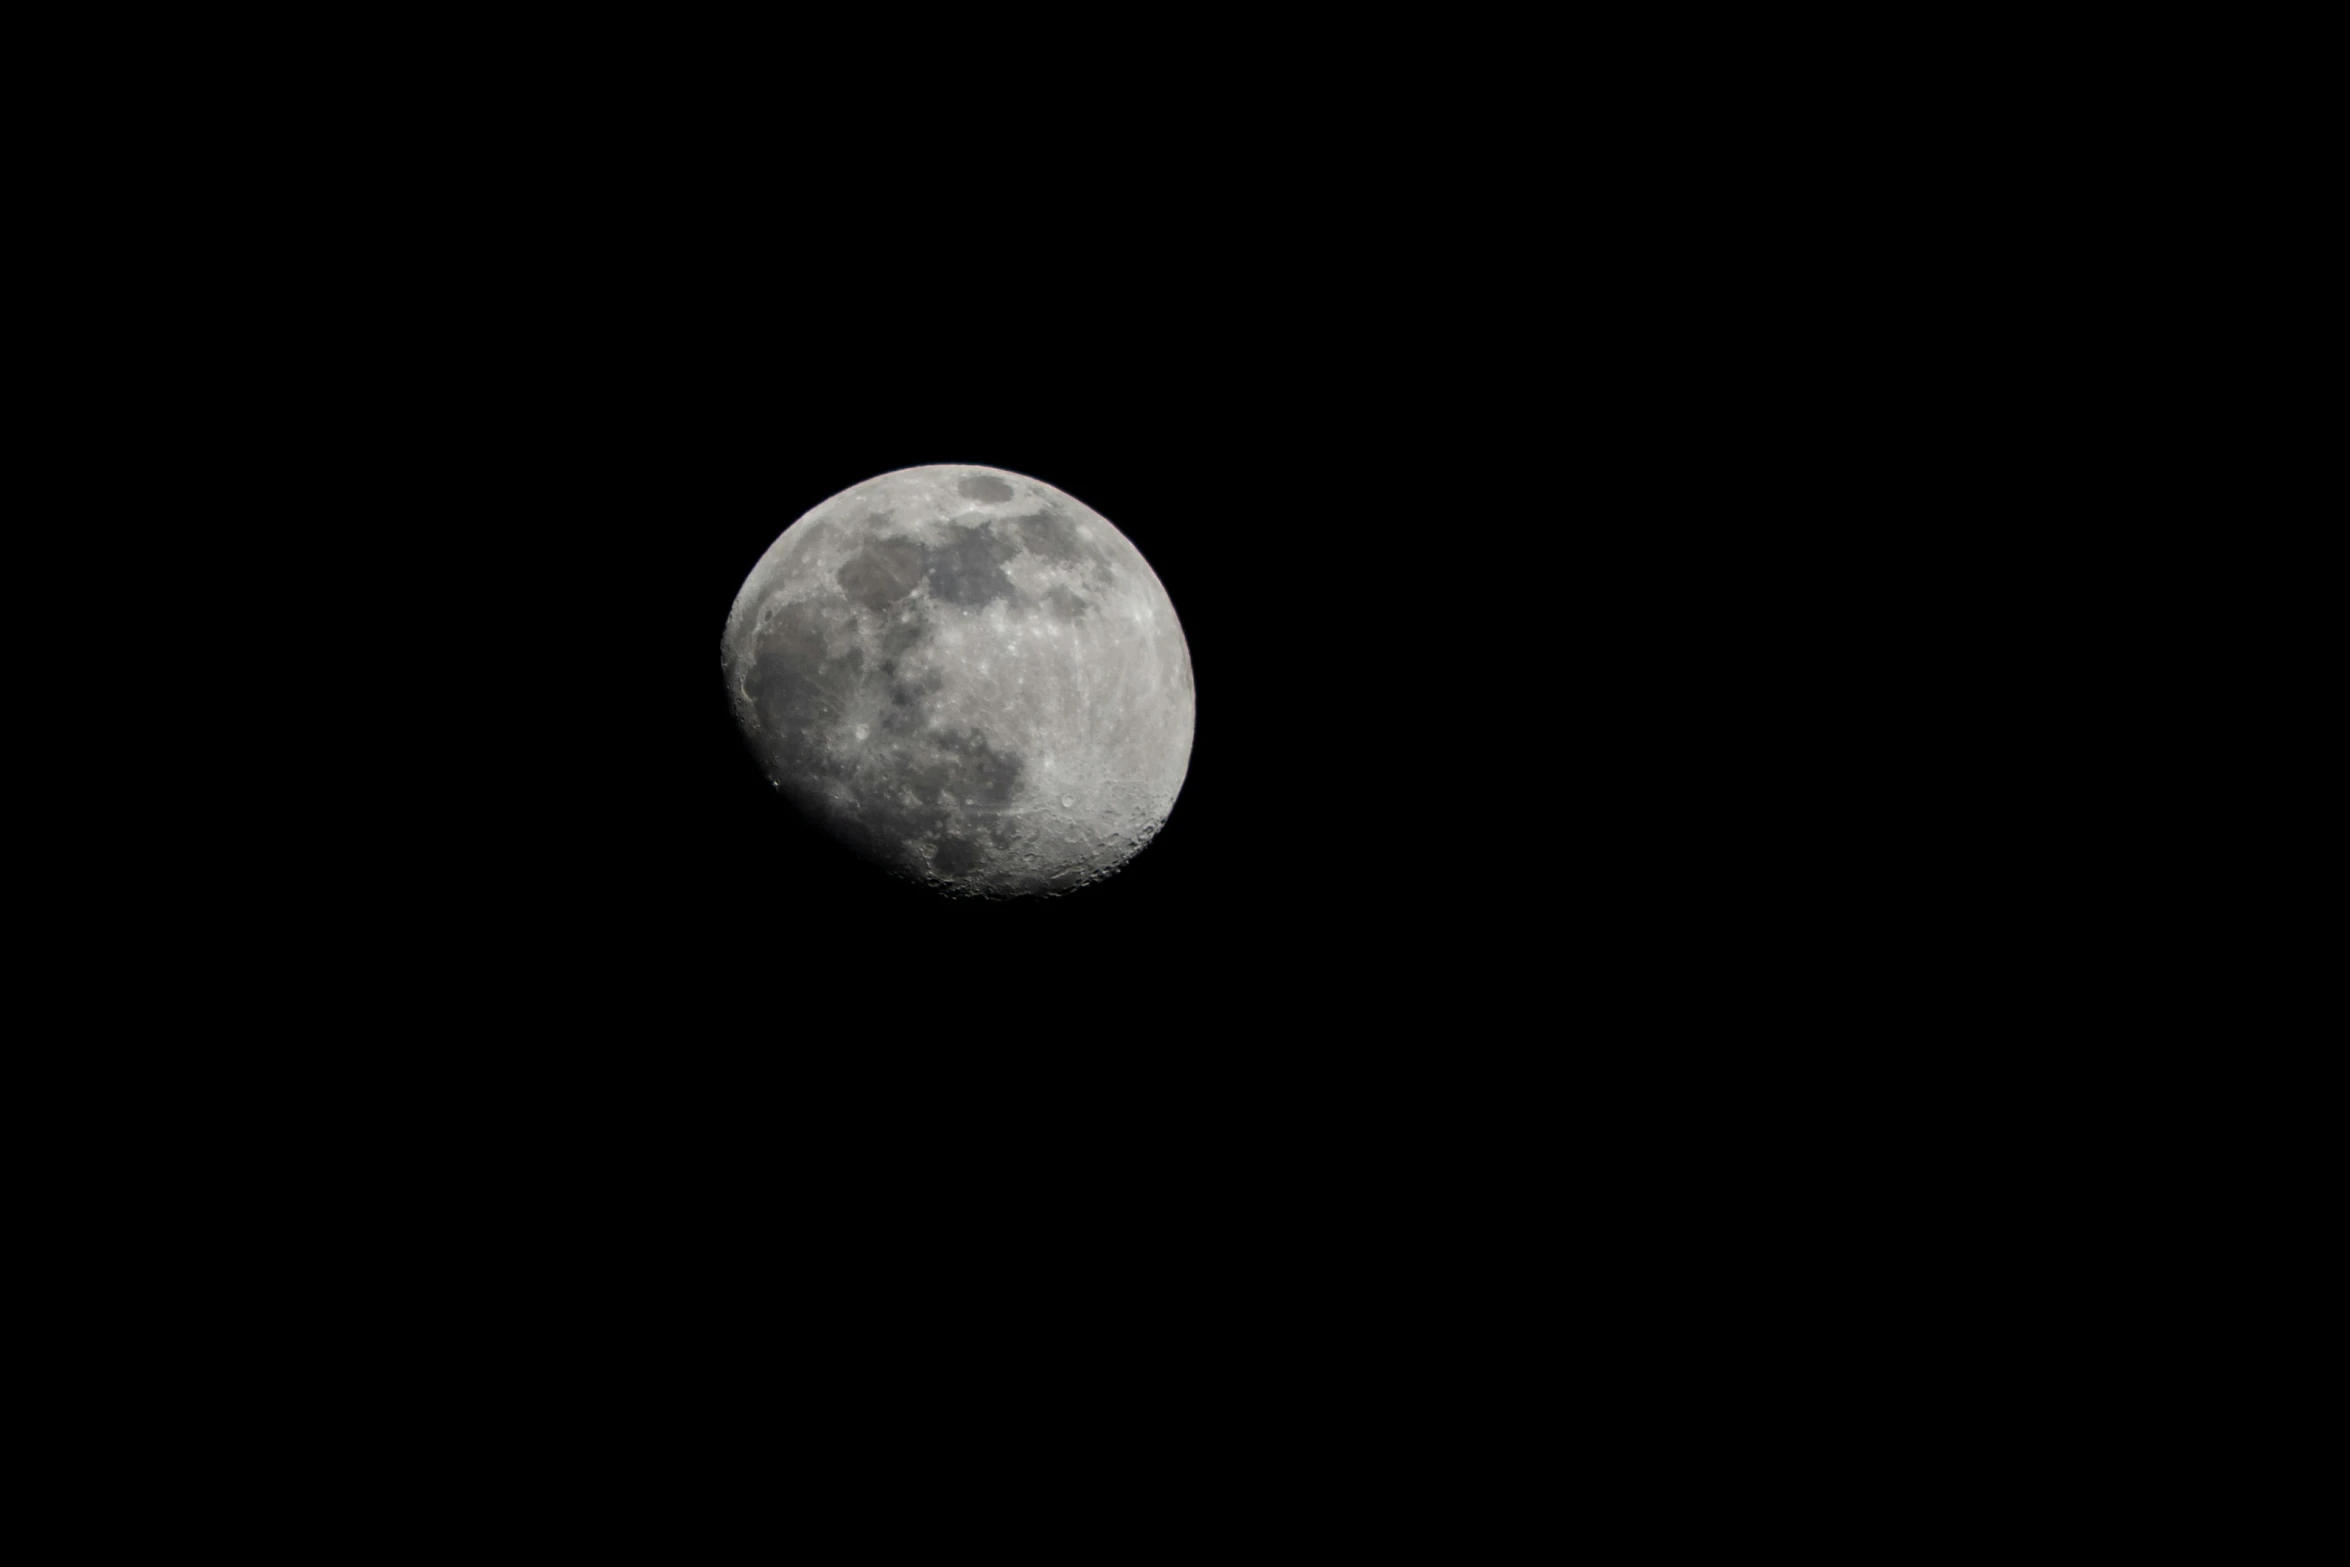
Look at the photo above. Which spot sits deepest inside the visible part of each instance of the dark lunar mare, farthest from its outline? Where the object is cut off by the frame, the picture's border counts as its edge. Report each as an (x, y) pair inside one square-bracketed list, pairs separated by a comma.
[(969, 569), (798, 691), (881, 573)]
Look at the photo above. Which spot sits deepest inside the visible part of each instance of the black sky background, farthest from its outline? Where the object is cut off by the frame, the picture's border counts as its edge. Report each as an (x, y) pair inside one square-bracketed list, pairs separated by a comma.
[(1501, 471)]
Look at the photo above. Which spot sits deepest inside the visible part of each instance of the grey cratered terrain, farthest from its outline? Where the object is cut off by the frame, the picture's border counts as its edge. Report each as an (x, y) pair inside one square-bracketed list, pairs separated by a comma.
[(968, 676)]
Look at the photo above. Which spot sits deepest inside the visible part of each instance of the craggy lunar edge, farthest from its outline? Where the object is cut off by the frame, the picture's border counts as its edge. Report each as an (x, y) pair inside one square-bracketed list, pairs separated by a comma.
[(970, 678)]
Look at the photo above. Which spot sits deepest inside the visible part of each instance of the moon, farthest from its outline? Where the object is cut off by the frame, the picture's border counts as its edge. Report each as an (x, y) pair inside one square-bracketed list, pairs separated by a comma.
[(968, 677)]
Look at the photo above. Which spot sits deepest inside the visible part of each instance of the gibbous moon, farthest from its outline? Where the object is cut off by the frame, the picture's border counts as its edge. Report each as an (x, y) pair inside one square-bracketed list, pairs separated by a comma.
[(967, 676)]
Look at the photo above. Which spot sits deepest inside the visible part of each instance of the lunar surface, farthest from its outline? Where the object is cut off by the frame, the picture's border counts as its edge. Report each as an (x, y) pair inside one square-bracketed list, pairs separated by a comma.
[(969, 677)]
